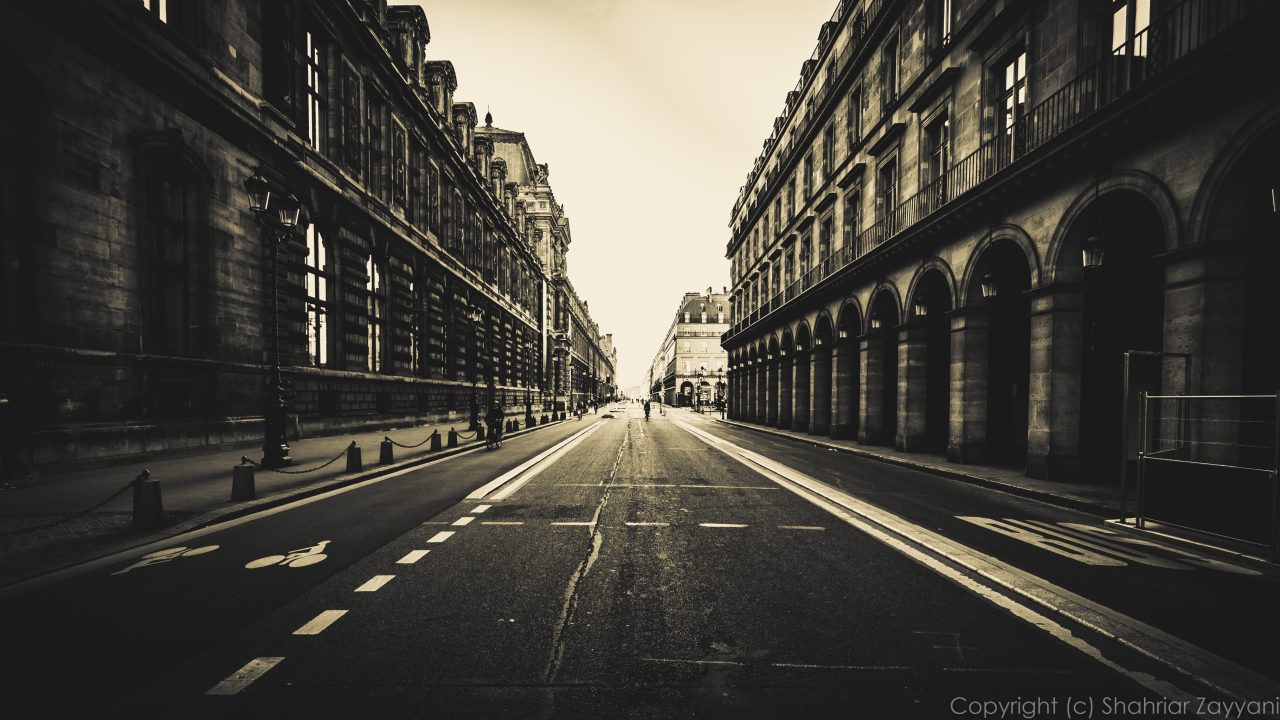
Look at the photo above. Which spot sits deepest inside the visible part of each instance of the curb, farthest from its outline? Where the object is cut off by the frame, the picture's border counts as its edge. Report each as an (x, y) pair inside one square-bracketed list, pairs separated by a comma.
[(216, 517), (1093, 508)]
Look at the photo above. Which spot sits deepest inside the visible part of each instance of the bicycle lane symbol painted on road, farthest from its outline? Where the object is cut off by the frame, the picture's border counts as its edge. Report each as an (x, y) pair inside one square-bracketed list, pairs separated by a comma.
[(1100, 546), (302, 557), (164, 556)]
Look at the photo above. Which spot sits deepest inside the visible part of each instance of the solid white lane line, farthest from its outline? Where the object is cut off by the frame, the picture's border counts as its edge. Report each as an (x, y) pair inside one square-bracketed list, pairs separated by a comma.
[(375, 583), (483, 490), (413, 557), (501, 522), (505, 491), (913, 541), (721, 525), (242, 678), (671, 485), (587, 523), (480, 508), (320, 622), (647, 524), (801, 527), (441, 536), (463, 521)]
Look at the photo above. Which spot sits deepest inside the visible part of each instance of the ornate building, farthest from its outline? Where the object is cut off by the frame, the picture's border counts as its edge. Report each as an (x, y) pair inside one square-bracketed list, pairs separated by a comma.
[(580, 361), (690, 366), (968, 211), (136, 311)]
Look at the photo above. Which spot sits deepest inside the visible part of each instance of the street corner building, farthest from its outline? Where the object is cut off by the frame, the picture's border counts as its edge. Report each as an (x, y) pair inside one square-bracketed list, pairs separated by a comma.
[(689, 369), (211, 206), (976, 224)]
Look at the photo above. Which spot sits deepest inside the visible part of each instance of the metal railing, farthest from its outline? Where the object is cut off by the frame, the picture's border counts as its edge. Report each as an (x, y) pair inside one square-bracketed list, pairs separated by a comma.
[(1170, 38), (1210, 463)]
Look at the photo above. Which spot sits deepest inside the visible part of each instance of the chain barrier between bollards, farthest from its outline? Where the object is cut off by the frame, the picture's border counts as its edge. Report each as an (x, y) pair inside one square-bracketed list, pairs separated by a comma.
[(416, 445), (142, 476), (245, 459)]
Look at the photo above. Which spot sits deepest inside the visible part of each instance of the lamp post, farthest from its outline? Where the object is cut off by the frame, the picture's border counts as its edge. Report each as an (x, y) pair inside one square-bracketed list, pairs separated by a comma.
[(277, 216), (697, 391), (721, 388)]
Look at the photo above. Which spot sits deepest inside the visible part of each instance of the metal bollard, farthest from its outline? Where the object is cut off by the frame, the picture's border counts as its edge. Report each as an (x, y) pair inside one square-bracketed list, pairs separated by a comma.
[(435, 441), (453, 438), (242, 483), (354, 464), (148, 508), (386, 455)]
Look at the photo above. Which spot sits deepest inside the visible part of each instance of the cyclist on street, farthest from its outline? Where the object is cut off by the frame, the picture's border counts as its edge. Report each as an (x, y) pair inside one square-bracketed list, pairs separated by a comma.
[(495, 419)]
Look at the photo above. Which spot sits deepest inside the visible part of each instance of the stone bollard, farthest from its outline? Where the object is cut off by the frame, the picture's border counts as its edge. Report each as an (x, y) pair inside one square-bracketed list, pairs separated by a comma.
[(480, 433), (435, 441), (453, 438), (354, 464), (148, 508), (543, 420), (386, 455), (242, 482)]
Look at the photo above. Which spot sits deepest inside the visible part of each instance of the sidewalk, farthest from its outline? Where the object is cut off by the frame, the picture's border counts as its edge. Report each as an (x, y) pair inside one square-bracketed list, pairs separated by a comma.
[(1093, 498), (195, 489)]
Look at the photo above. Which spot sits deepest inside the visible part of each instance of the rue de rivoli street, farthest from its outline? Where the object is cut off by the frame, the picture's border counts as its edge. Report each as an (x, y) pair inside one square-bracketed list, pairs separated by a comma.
[(597, 359)]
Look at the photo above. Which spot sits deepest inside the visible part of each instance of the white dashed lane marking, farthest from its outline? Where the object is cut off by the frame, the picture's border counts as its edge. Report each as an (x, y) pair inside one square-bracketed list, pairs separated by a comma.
[(801, 527), (460, 522), (413, 557), (502, 522), (721, 525), (648, 524), (375, 583), (586, 523), (242, 678), (320, 622), (441, 536), (480, 508)]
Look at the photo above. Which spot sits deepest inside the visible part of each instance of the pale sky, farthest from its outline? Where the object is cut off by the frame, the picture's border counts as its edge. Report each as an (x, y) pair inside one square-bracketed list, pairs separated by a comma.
[(649, 113)]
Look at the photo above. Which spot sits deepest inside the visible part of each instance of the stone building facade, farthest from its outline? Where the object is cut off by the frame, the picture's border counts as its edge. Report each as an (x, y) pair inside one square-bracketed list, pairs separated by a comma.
[(581, 363), (690, 367), (135, 310), (909, 250)]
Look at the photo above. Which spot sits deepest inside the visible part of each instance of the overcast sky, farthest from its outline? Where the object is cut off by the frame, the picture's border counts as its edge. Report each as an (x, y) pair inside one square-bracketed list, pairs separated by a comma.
[(649, 113)]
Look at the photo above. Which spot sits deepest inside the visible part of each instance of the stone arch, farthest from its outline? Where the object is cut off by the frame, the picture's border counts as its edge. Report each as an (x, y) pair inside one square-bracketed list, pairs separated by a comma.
[(849, 317), (999, 233), (803, 337), (948, 277), (1141, 183), (1246, 138), (887, 290), (823, 330)]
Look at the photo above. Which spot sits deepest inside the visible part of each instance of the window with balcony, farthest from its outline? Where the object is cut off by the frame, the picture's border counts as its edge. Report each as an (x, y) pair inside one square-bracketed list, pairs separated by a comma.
[(791, 198), (1013, 103), (399, 163), (1130, 20), (887, 188), (825, 229), (316, 285), (937, 157), (804, 252), (852, 215), (765, 228), (889, 72)]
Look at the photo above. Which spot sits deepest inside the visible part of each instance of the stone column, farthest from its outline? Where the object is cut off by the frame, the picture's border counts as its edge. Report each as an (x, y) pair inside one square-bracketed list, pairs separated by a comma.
[(800, 393), (842, 390), (762, 389), (771, 410), (913, 380), (871, 428), (820, 387), (969, 347), (1053, 432), (785, 378)]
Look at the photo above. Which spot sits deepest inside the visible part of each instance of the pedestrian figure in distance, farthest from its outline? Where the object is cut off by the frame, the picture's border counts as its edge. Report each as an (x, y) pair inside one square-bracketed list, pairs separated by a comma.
[(646, 409)]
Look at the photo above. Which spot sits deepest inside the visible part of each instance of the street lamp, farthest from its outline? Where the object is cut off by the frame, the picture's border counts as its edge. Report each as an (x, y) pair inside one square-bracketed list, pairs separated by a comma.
[(989, 287), (277, 216), (721, 389), (697, 391), (1091, 253)]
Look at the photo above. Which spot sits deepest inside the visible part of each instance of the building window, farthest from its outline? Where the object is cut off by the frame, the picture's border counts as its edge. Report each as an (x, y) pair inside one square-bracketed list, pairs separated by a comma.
[(417, 193), (791, 198), (1013, 103), (168, 209), (777, 216), (853, 119), (686, 317), (806, 243), (376, 171), (316, 105), (375, 284), (828, 150), (788, 269), (807, 176), (317, 297), (351, 135), (399, 163), (433, 199), (824, 238), (889, 73), (158, 8), (887, 188), (937, 153), (765, 228), (852, 215), (719, 313), (941, 21), (1130, 20)]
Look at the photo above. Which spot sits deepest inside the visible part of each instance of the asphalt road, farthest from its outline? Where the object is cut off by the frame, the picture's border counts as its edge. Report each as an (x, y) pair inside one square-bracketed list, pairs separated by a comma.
[(646, 569)]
